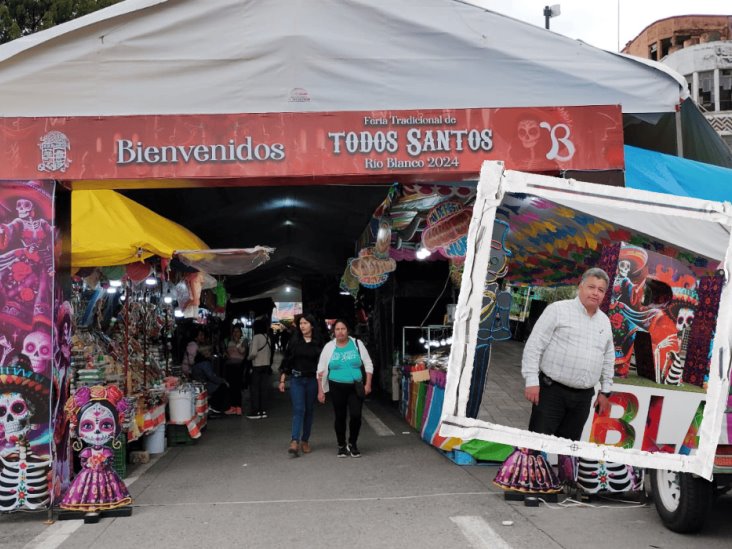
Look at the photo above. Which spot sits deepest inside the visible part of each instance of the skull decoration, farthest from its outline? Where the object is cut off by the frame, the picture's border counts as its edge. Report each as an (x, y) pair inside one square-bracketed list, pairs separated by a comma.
[(623, 268), (684, 319), (24, 208), (15, 416), (37, 347), (528, 132), (97, 425)]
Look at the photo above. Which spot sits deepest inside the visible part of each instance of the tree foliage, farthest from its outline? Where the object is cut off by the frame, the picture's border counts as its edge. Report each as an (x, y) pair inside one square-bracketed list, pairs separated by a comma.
[(21, 17)]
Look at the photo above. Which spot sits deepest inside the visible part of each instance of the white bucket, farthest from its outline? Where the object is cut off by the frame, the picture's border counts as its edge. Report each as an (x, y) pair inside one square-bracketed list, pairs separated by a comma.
[(155, 440), (181, 405)]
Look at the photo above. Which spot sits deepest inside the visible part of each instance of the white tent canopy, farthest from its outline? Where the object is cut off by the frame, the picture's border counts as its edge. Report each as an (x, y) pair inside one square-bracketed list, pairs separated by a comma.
[(235, 56)]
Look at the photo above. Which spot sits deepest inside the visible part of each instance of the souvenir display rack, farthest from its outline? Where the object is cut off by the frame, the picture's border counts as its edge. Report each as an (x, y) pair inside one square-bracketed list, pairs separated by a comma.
[(121, 338)]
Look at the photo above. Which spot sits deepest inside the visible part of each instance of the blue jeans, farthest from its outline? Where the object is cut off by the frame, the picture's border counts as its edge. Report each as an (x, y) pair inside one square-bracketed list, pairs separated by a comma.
[(303, 392)]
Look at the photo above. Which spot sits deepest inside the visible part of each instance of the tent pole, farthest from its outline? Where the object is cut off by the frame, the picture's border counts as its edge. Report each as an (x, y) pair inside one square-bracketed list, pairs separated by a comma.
[(679, 134)]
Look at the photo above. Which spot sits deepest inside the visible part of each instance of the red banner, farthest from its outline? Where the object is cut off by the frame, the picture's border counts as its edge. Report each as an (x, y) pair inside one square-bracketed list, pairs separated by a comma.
[(449, 141)]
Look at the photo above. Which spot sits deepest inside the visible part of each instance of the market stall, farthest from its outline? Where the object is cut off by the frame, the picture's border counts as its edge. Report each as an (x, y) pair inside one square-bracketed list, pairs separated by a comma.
[(324, 125)]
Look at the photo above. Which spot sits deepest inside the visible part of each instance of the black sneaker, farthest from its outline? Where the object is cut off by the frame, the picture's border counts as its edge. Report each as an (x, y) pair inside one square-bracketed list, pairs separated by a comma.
[(263, 415), (343, 452), (353, 450), (254, 415)]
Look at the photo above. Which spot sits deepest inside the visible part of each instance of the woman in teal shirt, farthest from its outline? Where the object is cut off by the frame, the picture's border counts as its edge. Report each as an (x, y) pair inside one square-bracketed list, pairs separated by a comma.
[(339, 372)]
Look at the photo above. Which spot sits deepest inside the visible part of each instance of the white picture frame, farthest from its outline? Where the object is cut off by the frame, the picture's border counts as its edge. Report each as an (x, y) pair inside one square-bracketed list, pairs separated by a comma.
[(705, 225)]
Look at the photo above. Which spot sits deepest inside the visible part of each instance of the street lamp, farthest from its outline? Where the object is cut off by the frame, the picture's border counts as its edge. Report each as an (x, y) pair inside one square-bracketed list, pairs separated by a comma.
[(549, 12)]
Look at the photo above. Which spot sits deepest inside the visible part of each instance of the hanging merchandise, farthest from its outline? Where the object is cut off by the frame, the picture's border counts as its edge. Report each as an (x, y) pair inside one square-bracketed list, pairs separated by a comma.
[(370, 270), (137, 272), (222, 297), (447, 228), (383, 238)]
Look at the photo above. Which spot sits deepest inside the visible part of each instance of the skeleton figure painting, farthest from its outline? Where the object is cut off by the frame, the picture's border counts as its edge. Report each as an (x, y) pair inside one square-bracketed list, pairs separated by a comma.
[(26, 268), (634, 309), (24, 474), (27, 262), (96, 414)]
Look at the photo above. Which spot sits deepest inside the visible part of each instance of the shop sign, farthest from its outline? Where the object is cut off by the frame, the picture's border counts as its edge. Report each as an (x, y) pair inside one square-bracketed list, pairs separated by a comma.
[(317, 144)]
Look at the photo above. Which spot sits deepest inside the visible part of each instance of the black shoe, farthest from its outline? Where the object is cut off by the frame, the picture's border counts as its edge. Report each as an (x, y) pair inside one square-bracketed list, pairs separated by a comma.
[(353, 450), (343, 452), (263, 415), (254, 415)]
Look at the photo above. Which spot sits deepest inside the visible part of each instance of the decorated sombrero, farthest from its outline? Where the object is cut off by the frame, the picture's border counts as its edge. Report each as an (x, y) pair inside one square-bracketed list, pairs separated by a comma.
[(19, 377)]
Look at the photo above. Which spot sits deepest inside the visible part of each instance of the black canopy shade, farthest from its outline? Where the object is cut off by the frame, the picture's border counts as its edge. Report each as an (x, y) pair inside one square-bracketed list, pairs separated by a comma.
[(312, 228)]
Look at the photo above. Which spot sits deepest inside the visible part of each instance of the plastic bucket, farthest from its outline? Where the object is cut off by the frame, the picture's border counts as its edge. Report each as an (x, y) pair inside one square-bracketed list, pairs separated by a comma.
[(181, 406), (155, 440)]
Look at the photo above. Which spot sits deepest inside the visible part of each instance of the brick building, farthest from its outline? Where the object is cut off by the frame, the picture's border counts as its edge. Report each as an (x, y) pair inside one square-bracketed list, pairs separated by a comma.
[(700, 48)]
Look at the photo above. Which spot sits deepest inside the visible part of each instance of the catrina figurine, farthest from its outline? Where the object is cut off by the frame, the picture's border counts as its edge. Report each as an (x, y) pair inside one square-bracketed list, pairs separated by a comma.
[(96, 414)]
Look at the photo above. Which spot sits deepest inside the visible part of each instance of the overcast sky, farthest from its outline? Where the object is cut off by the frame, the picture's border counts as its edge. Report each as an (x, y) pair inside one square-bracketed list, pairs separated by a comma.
[(596, 21)]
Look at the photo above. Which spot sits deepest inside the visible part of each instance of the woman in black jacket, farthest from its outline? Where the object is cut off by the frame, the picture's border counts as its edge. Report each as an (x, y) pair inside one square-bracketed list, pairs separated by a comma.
[(301, 364)]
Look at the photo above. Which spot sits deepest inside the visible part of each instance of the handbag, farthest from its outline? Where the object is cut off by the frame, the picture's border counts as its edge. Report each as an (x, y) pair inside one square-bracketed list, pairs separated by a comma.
[(360, 389), (359, 386)]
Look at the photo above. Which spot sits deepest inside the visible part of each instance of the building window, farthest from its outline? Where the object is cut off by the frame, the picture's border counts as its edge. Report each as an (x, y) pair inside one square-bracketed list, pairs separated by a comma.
[(665, 47), (652, 52), (690, 83), (706, 90), (725, 90)]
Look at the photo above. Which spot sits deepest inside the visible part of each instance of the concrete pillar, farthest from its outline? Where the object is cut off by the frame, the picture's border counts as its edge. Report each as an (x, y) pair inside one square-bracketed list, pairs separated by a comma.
[(695, 87), (716, 90)]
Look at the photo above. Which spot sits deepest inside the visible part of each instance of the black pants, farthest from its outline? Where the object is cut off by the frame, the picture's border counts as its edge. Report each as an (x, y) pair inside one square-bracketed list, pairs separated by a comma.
[(259, 389), (234, 374), (562, 411), (346, 403), (219, 399)]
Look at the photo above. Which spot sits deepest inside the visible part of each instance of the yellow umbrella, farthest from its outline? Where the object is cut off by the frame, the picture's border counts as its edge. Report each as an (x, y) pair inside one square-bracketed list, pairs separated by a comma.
[(108, 229)]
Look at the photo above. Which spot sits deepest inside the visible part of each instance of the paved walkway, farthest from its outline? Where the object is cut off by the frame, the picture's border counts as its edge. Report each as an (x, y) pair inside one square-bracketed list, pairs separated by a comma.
[(239, 488), (503, 397)]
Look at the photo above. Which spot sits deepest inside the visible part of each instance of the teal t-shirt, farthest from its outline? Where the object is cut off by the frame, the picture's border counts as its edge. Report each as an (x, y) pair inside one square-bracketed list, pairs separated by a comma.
[(345, 364)]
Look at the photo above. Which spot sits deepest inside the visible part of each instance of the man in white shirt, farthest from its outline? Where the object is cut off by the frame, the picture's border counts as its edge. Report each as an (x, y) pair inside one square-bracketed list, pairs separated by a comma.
[(568, 352)]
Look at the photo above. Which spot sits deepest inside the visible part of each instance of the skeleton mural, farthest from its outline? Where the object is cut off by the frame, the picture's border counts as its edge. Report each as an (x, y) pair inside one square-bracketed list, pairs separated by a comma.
[(37, 347), (26, 344), (599, 476), (668, 323), (670, 332), (26, 268), (24, 474), (97, 414)]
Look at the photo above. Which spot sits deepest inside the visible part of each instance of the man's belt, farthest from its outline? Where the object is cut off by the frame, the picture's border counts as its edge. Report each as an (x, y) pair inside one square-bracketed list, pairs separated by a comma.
[(546, 380)]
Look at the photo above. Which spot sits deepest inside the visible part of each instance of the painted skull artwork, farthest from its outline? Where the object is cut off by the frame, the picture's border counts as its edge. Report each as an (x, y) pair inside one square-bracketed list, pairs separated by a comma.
[(27, 262), (97, 414), (15, 416), (25, 463), (97, 425), (37, 347)]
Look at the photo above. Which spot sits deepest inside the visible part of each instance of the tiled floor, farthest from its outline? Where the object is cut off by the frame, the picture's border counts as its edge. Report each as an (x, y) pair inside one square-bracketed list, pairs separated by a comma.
[(503, 397)]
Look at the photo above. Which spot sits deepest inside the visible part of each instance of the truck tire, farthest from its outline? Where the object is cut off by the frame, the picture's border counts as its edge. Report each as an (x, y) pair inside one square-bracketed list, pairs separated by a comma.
[(683, 501)]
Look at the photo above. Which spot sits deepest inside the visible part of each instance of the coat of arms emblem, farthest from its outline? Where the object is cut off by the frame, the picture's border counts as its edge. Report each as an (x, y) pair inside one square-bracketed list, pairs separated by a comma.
[(53, 147)]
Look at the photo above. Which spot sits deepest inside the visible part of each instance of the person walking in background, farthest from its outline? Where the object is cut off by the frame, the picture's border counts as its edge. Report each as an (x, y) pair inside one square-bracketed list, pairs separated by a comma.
[(260, 353), (236, 351), (301, 365), (285, 336), (340, 373)]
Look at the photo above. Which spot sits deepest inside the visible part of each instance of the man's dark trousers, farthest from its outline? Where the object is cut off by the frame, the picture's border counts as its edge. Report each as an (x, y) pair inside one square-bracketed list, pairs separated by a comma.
[(562, 411)]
